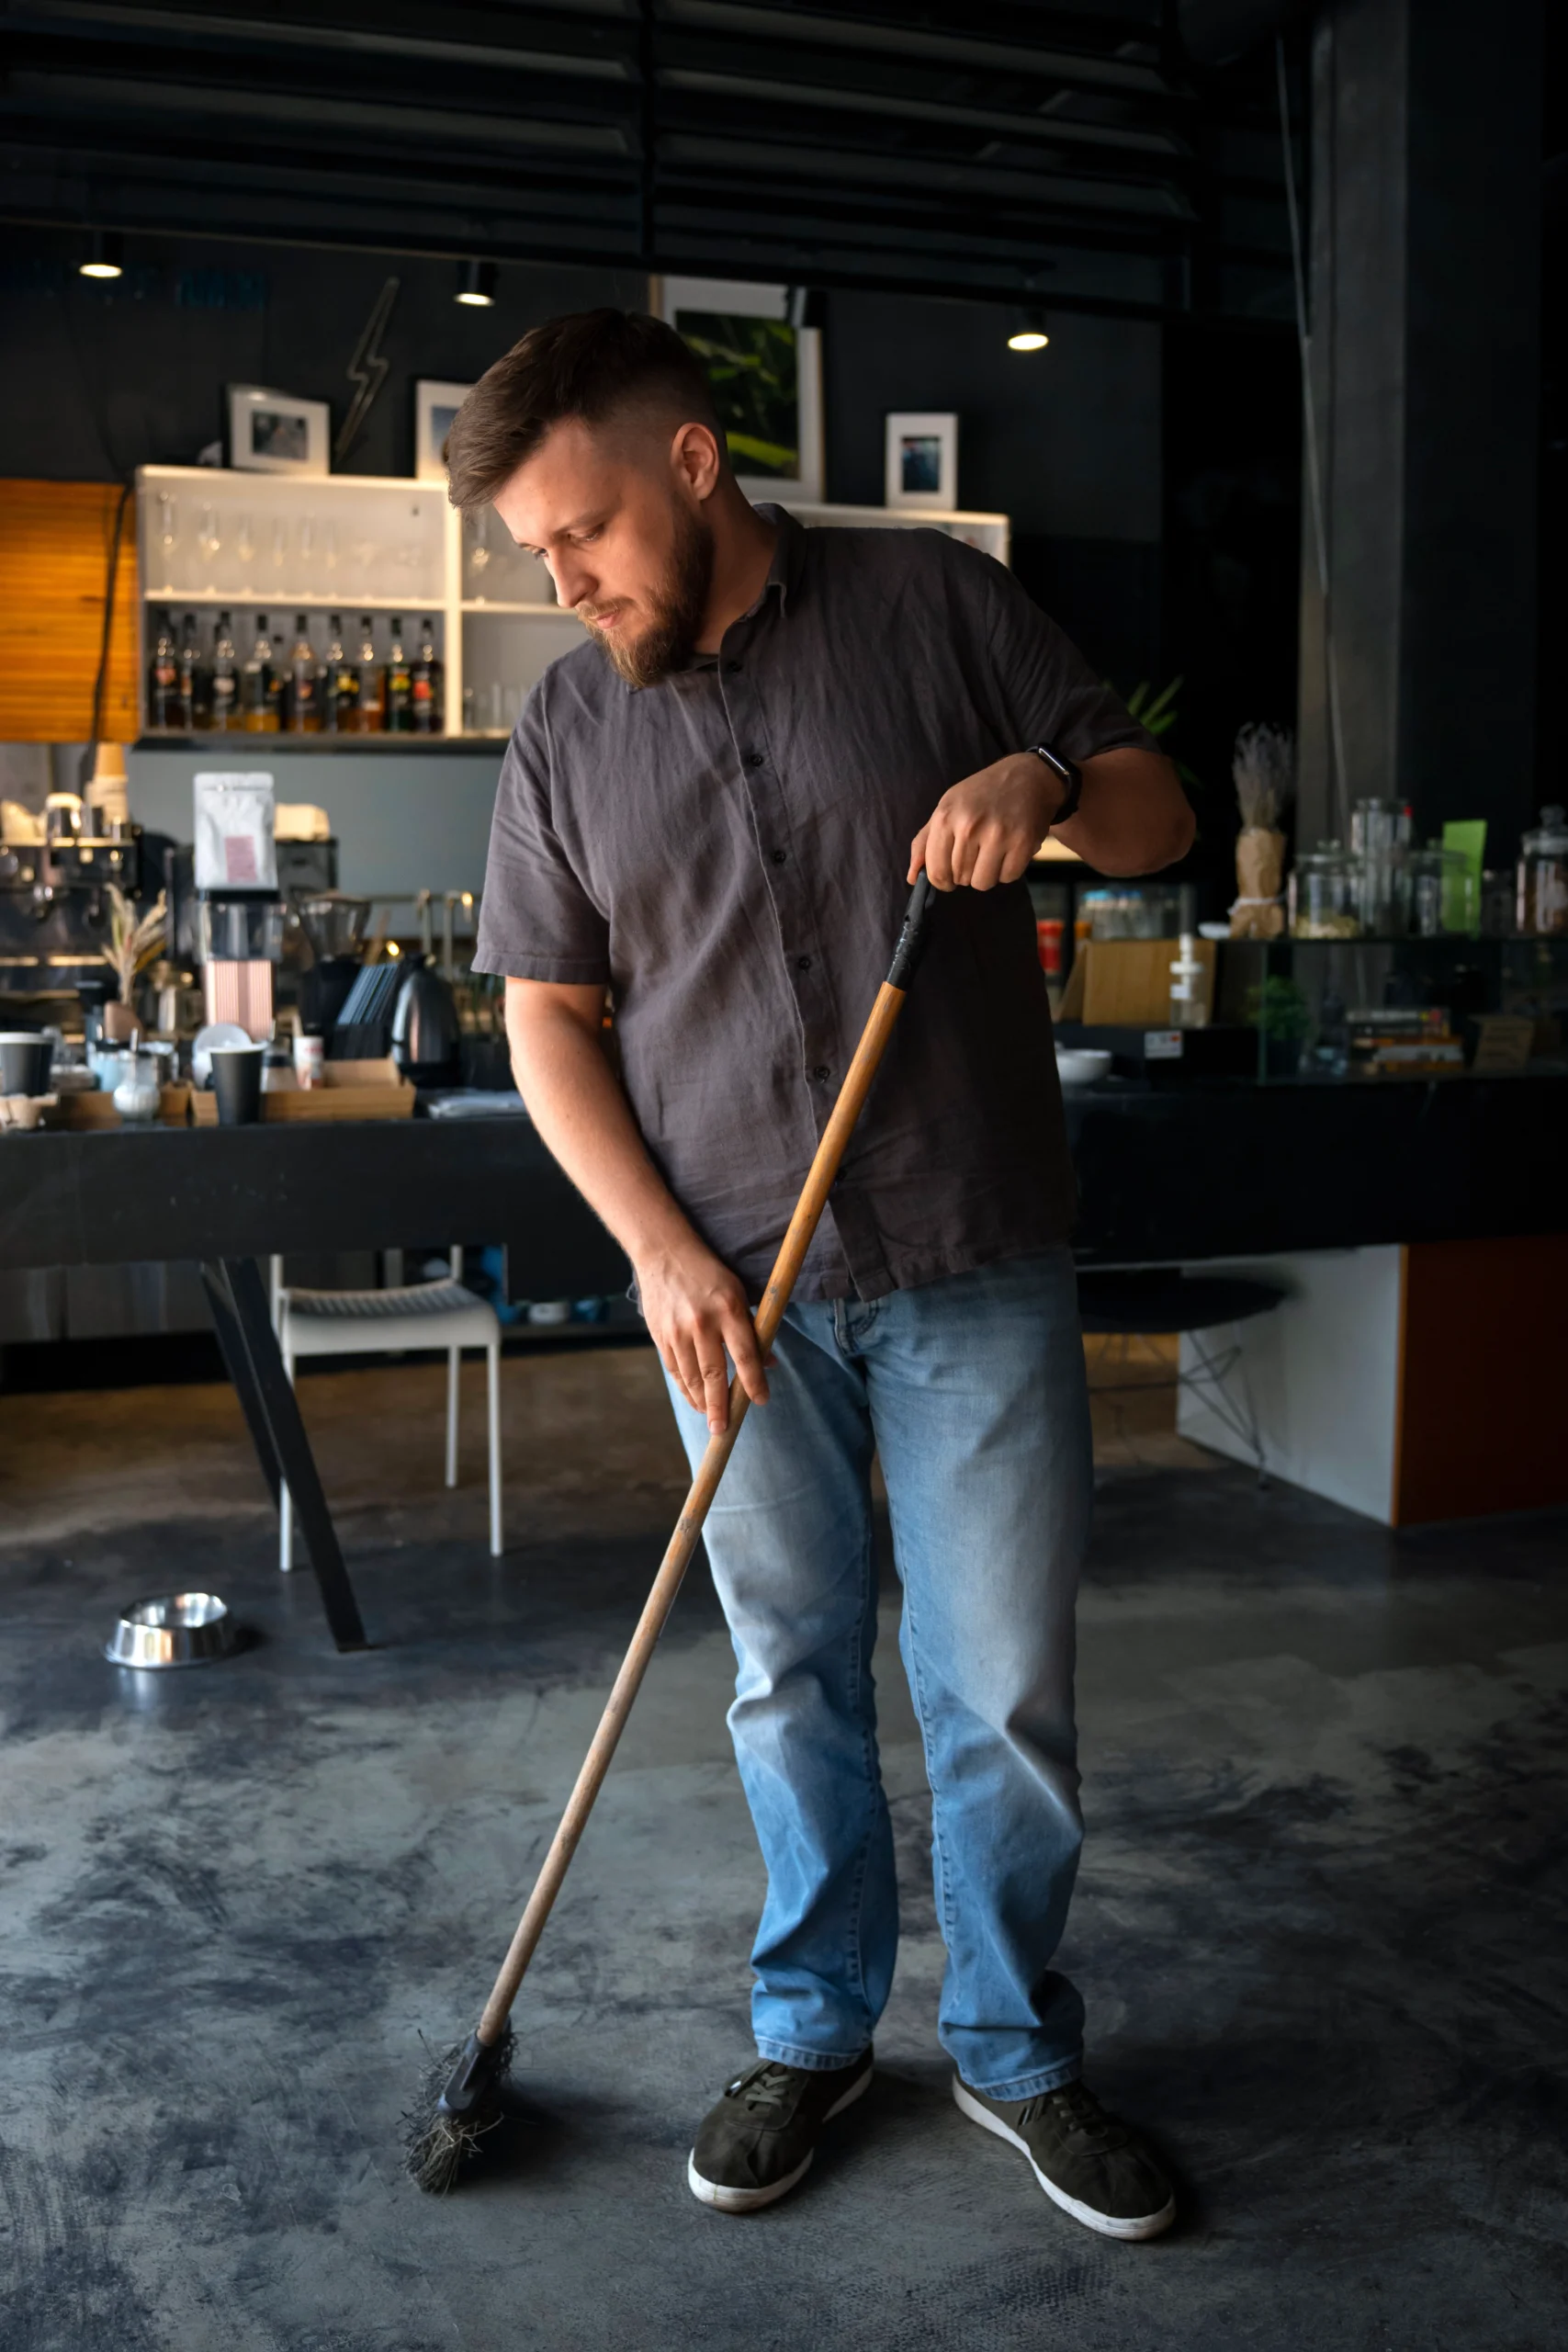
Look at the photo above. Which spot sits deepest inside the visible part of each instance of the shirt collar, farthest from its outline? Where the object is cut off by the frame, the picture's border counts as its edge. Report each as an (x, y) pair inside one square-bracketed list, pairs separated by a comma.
[(784, 573), (789, 553)]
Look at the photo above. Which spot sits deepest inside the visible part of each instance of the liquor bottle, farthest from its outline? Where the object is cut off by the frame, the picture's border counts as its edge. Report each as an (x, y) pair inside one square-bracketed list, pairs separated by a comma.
[(225, 679), (367, 709), (196, 688), (340, 680), (305, 705), (429, 717), (258, 712), (279, 687), (399, 686), (163, 678)]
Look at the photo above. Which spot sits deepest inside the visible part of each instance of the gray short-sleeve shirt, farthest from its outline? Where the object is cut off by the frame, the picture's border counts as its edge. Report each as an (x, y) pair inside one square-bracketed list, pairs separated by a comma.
[(727, 851)]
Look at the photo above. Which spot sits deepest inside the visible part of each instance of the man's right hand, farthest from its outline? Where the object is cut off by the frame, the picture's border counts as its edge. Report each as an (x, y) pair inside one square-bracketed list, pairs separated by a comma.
[(696, 1310)]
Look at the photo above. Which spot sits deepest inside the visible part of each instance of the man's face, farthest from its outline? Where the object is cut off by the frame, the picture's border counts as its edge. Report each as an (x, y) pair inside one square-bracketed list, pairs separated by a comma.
[(618, 518)]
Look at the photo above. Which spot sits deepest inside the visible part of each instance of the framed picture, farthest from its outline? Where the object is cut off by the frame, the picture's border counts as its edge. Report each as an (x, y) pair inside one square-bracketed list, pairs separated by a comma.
[(434, 406), (923, 460), (767, 375), (277, 433)]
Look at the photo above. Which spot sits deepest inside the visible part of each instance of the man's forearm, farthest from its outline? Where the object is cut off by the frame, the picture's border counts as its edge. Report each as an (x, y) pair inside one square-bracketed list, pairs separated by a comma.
[(576, 1103), (1134, 817)]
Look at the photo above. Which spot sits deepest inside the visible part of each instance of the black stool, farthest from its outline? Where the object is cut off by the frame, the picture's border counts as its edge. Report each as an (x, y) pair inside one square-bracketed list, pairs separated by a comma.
[(1160, 1300)]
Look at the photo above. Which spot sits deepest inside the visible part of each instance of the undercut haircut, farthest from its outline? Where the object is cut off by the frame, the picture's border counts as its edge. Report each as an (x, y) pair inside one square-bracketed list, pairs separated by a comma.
[(596, 365)]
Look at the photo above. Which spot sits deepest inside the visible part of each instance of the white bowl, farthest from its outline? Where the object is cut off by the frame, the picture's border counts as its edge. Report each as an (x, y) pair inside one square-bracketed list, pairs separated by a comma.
[(1081, 1065), (218, 1033)]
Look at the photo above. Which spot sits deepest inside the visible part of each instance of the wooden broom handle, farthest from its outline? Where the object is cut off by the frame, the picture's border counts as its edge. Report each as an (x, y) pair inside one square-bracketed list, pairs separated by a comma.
[(710, 1470)]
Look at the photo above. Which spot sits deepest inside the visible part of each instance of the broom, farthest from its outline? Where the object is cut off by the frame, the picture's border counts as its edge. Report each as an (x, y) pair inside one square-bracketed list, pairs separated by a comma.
[(460, 2098)]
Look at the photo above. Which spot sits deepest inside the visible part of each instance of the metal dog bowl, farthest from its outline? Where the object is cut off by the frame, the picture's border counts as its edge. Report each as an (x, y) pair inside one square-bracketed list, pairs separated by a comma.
[(172, 1629)]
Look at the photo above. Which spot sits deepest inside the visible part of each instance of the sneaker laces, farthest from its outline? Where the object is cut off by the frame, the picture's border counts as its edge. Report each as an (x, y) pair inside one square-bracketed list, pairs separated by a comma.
[(1080, 2116), (764, 2087)]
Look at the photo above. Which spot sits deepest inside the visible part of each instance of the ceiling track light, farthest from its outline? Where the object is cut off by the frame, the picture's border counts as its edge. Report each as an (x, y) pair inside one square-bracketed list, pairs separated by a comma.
[(475, 284), (1027, 331), (105, 255)]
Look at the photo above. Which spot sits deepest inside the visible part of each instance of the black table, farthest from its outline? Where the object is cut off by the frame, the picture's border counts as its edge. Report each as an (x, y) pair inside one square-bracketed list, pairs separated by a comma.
[(230, 1197), (1165, 1177)]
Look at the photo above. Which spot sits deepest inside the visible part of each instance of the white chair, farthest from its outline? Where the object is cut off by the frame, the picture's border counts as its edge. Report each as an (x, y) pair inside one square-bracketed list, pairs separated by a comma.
[(388, 1322)]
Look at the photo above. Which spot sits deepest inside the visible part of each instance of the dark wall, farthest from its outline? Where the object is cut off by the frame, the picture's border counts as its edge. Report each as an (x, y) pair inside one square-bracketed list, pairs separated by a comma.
[(1065, 440), (98, 378), (1231, 554)]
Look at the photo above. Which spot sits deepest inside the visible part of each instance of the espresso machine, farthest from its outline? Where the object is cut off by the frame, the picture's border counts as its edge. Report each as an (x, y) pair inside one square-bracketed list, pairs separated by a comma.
[(55, 864)]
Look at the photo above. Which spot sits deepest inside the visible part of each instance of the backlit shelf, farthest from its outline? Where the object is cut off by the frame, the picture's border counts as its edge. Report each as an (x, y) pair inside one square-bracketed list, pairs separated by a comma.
[(288, 600), (476, 604)]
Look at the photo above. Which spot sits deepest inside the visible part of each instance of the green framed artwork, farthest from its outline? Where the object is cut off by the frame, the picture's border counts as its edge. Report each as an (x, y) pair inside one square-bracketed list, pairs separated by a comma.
[(766, 375)]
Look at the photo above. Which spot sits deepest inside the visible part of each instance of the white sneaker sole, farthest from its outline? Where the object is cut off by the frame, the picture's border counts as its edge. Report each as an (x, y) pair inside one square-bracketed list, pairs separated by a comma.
[(751, 2201), (1110, 2225)]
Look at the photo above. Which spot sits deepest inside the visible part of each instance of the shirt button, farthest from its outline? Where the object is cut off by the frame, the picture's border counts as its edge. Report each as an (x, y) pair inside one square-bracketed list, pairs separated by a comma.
[(821, 1073), (803, 962), (732, 667), (753, 759), (779, 856)]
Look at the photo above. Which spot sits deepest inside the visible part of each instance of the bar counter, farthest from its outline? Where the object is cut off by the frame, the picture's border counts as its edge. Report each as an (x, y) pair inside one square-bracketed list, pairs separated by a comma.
[(1165, 1176), (1409, 1383)]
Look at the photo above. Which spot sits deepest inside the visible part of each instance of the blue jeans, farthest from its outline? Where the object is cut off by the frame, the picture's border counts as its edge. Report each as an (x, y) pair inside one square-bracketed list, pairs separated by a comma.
[(972, 1392)]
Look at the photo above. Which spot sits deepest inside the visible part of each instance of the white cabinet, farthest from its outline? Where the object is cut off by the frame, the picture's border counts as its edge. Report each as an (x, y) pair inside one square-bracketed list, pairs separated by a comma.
[(369, 546)]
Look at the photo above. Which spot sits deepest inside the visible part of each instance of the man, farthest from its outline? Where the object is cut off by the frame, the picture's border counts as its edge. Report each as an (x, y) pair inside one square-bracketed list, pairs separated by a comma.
[(715, 809)]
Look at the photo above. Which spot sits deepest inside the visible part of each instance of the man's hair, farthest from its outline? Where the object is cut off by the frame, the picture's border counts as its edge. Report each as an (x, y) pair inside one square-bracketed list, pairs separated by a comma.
[(596, 365)]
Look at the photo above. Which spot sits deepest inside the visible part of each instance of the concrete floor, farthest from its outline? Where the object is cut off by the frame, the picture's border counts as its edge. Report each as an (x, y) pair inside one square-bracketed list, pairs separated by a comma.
[(1321, 1924)]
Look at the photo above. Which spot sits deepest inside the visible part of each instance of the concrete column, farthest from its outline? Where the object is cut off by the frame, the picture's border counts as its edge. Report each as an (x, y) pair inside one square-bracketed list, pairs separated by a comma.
[(1425, 308)]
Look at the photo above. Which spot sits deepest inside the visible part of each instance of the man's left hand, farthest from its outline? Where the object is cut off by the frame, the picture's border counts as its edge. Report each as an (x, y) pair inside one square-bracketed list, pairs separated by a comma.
[(986, 829)]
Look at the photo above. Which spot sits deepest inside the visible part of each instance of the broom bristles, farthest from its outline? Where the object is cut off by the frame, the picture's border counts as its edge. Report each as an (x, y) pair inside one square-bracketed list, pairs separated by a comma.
[(439, 2146)]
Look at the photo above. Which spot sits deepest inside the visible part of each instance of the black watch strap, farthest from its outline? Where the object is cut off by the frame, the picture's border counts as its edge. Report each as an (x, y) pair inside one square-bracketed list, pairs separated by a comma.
[(1071, 777)]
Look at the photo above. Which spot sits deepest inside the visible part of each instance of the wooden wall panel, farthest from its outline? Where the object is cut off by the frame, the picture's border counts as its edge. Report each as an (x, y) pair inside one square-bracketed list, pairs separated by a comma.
[(1481, 1408), (54, 545)]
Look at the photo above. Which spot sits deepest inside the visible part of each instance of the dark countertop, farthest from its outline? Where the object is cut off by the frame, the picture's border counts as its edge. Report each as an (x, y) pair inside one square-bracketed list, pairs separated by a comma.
[(1163, 1174), (1184, 1172)]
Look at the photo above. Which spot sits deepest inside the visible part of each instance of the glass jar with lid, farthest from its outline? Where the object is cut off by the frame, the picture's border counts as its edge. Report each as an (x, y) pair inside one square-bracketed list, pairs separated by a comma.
[(1442, 891), (1379, 839), (1322, 892), (1543, 875)]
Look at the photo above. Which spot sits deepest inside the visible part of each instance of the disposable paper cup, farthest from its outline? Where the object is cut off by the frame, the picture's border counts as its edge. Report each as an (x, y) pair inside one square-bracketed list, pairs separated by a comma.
[(237, 1083), (24, 1062)]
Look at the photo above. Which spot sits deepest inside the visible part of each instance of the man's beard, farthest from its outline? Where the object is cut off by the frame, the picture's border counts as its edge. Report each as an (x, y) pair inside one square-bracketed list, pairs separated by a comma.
[(678, 606)]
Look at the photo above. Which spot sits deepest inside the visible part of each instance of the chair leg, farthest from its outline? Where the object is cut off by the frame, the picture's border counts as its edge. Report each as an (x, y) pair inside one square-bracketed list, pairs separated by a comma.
[(493, 1384), (454, 1359), (284, 1501)]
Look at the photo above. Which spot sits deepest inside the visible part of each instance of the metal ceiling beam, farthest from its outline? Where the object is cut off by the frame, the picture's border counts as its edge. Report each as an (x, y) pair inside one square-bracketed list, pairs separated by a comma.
[(1090, 67), (844, 143)]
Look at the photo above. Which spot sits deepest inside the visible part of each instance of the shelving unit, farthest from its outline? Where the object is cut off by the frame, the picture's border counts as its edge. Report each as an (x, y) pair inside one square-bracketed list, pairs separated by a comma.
[(212, 539)]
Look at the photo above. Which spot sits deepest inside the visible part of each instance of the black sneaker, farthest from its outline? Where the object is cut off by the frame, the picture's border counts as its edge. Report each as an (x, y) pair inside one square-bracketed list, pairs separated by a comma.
[(1089, 2162), (760, 2139)]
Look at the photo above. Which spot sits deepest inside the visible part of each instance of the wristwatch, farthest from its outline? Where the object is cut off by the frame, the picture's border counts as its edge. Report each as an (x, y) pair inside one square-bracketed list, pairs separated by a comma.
[(1071, 777)]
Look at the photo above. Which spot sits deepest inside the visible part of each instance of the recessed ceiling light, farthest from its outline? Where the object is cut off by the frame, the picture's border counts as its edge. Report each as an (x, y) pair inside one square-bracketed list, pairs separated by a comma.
[(475, 284), (1028, 330), (104, 255)]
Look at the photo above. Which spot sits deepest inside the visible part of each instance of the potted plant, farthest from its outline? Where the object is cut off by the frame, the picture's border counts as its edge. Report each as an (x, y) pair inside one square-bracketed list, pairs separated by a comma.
[(1279, 1008), (135, 940)]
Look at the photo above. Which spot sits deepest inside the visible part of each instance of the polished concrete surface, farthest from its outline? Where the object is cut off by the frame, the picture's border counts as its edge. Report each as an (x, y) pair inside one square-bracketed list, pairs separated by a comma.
[(1321, 1924)]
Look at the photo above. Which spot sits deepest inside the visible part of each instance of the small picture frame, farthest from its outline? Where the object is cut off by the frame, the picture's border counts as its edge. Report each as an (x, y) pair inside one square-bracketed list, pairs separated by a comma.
[(277, 433), (921, 464), (434, 406)]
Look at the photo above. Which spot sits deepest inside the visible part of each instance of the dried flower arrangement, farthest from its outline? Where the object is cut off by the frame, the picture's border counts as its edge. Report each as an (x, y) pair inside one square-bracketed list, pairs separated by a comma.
[(1263, 768), (135, 940)]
